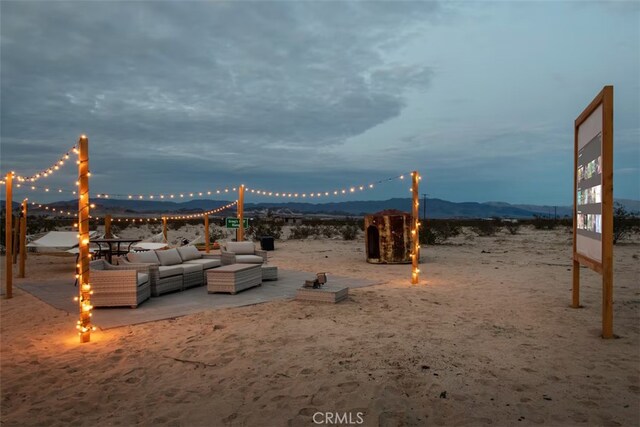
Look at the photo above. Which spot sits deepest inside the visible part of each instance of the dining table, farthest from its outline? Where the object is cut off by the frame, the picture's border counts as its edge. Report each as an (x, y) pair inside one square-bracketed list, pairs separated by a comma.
[(109, 247)]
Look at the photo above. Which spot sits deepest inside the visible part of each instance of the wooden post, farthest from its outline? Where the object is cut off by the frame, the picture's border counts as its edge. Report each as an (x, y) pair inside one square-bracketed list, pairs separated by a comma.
[(23, 239), (607, 213), (207, 247), (8, 266), (164, 229), (84, 288), (15, 240), (415, 235), (107, 227), (240, 235), (575, 294)]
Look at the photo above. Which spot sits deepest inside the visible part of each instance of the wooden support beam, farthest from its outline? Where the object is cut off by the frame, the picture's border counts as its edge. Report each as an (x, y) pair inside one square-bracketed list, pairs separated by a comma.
[(107, 227), (415, 234), (207, 246), (23, 240), (164, 229), (84, 282), (15, 241), (8, 266), (240, 234)]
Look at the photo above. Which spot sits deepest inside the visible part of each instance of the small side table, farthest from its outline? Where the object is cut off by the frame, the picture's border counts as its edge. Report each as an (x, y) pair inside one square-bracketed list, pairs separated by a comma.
[(269, 272)]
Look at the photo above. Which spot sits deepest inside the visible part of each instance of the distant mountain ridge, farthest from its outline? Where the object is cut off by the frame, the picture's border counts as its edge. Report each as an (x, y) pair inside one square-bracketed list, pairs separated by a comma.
[(435, 208)]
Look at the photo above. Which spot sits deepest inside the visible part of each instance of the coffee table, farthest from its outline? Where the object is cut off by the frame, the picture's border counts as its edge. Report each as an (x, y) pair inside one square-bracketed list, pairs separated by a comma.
[(233, 278)]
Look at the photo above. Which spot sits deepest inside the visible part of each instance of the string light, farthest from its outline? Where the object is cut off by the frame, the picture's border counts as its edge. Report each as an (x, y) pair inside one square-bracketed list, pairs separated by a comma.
[(318, 194), (200, 215), (45, 173), (181, 195)]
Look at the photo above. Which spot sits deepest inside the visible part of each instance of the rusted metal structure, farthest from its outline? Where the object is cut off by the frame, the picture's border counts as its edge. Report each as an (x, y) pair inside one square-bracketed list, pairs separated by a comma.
[(388, 237)]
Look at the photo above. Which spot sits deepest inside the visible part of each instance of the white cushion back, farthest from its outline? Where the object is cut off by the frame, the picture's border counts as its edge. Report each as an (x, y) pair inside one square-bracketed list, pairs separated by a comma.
[(148, 257), (169, 257), (187, 253), (241, 248)]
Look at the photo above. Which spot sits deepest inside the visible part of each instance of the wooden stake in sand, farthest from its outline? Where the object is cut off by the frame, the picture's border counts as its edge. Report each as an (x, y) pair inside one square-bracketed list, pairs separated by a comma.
[(207, 247), (164, 229), (593, 200), (240, 234), (23, 239), (84, 288), (415, 224), (8, 266), (107, 227)]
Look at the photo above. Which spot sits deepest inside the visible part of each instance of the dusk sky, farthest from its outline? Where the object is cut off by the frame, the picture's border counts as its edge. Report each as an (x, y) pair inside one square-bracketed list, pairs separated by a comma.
[(480, 97)]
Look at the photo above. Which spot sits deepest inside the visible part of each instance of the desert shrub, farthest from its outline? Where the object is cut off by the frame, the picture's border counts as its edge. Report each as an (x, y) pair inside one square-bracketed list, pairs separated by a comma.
[(349, 232), (301, 232), (487, 228), (541, 223), (328, 231), (512, 227), (259, 229), (216, 234), (624, 223), (437, 232)]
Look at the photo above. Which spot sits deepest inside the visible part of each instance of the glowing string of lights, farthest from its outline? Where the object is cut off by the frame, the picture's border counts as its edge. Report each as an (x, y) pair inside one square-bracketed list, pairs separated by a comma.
[(317, 194), (201, 214), (44, 173), (175, 195)]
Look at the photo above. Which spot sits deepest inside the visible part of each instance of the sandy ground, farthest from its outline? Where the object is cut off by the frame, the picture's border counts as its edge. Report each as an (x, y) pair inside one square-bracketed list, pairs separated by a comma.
[(487, 338)]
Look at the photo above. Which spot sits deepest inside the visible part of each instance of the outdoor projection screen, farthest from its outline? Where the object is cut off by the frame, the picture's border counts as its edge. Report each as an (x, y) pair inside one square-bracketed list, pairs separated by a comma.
[(593, 200), (589, 187)]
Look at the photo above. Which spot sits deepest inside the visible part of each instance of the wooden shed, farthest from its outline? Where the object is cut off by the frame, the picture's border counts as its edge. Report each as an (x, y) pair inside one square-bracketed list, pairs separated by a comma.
[(388, 237)]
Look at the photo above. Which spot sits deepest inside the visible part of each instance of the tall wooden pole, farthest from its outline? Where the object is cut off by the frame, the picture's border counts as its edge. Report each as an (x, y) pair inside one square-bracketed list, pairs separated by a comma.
[(16, 239), (23, 239), (8, 266), (84, 289), (240, 236), (415, 235), (207, 247), (164, 229), (607, 213), (107, 227)]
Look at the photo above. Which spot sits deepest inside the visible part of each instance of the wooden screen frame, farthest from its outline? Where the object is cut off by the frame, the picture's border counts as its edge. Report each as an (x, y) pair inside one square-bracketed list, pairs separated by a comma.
[(605, 266)]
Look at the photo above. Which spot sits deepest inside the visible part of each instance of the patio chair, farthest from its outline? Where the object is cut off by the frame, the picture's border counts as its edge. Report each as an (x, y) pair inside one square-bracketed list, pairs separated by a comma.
[(242, 253), (118, 285)]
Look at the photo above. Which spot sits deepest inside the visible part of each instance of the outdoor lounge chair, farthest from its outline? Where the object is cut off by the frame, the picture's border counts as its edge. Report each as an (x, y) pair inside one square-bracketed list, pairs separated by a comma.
[(118, 285), (242, 253)]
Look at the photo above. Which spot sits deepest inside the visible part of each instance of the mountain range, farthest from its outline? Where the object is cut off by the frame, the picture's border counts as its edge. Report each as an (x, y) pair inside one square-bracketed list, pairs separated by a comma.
[(435, 208)]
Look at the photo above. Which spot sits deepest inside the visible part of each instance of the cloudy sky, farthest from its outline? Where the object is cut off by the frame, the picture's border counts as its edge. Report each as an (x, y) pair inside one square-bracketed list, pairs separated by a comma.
[(480, 97)]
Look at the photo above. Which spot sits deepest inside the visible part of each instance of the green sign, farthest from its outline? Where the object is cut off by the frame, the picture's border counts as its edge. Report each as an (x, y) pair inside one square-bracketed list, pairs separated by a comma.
[(235, 223)]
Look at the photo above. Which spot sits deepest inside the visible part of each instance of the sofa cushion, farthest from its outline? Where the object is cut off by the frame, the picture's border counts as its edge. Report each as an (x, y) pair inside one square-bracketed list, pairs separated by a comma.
[(142, 278), (241, 248), (169, 271), (249, 259), (148, 257), (205, 263), (189, 268), (189, 252), (169, 257)]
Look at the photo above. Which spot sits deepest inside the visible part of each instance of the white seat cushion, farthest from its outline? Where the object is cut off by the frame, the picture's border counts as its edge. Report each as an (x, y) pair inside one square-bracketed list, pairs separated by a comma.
[(169, 271), (142, 278), (205, 263), (249, 259), (241, 248), (188, 253), (190, 268), (169, 257), (148, 257)]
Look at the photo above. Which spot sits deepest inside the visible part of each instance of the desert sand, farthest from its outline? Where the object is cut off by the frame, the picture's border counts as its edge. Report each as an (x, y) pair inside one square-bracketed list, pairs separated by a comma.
[(487, 338)]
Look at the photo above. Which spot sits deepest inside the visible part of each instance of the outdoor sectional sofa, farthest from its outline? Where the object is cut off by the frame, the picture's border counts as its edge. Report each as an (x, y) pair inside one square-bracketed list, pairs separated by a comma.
[(242, 253), (173, 269), (119, 285)]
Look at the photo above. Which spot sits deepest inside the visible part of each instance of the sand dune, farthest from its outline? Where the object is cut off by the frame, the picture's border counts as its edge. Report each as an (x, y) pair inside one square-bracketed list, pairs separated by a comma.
[(488, 338)]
